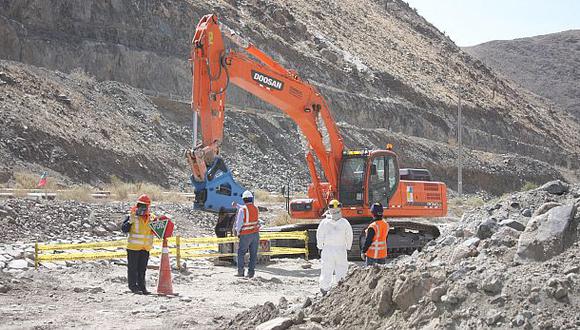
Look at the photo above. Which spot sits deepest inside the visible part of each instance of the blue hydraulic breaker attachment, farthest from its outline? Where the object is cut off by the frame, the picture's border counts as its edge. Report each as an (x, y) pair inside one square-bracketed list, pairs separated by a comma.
[(219, 189)]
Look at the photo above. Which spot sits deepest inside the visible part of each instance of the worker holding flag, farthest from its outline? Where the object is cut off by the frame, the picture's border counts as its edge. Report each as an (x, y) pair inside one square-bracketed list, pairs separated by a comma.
[(139, 243)]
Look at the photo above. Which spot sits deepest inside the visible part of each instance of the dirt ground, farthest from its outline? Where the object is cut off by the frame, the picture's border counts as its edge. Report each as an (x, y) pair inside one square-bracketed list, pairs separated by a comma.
[(95, 295)]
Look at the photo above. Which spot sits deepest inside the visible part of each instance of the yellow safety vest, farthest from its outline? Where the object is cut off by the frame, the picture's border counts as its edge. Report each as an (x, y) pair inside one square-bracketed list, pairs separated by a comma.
[(140, 235)]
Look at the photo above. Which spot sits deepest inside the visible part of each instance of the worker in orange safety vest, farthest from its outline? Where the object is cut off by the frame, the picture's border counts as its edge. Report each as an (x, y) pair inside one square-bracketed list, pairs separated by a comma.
[(139, 243), (374, 250), (247, 228)]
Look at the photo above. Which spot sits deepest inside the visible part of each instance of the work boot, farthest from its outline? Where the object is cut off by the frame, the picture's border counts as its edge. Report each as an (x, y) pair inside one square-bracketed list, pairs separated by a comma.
[(324, 292), (145, 292), (250, 274), (136, 291), (239, 274)]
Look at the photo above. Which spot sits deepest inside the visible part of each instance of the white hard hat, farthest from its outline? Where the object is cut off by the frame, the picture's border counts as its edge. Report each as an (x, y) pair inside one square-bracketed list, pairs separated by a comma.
[(247, 194)]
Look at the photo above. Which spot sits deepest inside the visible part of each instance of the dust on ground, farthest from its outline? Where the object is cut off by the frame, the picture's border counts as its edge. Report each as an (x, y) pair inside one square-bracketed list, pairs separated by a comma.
[(95, 295)]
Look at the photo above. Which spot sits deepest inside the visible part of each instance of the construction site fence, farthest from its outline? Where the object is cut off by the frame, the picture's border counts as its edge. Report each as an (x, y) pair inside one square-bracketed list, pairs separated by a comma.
[(179, 247)]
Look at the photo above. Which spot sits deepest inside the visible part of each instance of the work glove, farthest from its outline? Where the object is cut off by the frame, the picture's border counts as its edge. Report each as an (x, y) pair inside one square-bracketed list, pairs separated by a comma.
[(363, 256), (126, 225)]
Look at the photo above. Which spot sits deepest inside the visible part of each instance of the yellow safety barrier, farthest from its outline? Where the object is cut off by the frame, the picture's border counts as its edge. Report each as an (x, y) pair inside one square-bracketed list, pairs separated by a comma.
[(180, 247)]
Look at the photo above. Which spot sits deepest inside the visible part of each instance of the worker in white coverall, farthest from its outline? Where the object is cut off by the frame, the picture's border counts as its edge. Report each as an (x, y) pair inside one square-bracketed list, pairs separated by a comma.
[(334, 238)]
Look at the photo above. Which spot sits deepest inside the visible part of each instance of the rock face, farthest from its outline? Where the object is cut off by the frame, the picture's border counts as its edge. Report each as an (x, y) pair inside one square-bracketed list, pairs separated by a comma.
[(548, 235), (398, 76)]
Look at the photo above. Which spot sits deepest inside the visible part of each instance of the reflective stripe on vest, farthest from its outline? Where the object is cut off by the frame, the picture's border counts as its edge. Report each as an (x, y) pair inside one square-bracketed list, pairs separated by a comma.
[(251, 224), (140, 235), (378, 248)]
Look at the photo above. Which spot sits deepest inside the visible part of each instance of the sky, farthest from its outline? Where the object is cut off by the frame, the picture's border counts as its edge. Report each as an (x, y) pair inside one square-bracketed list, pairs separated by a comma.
[(471, 22)]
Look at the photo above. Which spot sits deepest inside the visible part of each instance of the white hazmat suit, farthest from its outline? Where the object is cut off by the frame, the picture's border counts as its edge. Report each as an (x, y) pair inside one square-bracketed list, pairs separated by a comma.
[(334, 238)]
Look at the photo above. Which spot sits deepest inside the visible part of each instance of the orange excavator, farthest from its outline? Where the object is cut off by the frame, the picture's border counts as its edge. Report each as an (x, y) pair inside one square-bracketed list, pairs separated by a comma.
[(357, 178)]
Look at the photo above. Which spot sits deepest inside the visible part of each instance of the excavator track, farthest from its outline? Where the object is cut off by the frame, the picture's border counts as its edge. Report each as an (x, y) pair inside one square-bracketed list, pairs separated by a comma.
[(405, 237)]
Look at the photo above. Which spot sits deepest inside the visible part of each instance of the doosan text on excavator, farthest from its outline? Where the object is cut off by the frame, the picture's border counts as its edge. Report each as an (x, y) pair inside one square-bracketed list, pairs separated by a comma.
[(357, 178)]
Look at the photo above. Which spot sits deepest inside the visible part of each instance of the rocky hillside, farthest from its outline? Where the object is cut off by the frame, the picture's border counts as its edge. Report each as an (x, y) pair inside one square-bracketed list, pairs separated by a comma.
[(386, 72), (511, 263), (82, 130), (548, 65)]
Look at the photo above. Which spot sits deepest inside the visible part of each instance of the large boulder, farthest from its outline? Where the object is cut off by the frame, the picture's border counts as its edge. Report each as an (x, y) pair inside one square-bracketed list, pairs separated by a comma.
[(548, 235), (409, 289), (279, 323), (467, 248), (513, 224), (556, 187), (18, 264), (386, 306), (486, 229)]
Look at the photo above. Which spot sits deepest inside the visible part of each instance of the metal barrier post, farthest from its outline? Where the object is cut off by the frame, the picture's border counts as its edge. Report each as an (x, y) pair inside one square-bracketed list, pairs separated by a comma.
[(306, 245), (178, 251), (36, 256)]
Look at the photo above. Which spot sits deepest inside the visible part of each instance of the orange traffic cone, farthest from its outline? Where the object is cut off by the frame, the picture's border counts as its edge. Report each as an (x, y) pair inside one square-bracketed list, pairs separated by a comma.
[(164, 285)]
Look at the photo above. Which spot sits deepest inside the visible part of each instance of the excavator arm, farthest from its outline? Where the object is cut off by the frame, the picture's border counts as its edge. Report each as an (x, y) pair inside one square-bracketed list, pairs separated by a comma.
[(214, 68), (356, 178)]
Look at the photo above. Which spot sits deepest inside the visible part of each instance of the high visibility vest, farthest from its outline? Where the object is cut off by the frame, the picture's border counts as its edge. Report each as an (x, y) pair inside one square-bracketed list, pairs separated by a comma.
[(378, 248), (140, 235), (251, 224)]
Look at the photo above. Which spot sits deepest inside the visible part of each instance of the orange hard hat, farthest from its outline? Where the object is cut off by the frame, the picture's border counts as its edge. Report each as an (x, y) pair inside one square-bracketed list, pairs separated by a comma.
[(144, 199)]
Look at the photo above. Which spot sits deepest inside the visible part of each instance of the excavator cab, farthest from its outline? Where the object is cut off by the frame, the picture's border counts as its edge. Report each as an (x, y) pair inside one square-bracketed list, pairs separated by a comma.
[(367, 177), (383, 177)]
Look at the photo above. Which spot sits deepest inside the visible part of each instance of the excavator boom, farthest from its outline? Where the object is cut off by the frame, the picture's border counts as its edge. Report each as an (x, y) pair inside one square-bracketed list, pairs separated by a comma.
[(356, 178), (214, 68)]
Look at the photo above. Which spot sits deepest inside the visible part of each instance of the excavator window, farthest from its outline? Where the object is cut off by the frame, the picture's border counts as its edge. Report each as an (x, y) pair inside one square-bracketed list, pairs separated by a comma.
[(382, 179), (352, 178)]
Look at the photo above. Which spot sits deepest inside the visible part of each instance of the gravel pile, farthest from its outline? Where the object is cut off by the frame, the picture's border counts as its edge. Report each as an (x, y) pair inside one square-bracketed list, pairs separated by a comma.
[(511, 263)]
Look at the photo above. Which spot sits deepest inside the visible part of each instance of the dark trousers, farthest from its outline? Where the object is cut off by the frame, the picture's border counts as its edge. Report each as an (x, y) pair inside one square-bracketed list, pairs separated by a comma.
[(136, 268), (248, 242), (372, 261)]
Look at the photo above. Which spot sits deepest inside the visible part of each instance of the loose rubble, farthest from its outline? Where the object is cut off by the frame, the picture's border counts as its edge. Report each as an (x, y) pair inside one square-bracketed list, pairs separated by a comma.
[(483, 272)]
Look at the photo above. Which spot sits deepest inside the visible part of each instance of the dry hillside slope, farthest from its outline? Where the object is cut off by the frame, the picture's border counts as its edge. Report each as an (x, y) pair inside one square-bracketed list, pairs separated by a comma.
[(87, 131), (81, 130), (378, 63), (548, 65)]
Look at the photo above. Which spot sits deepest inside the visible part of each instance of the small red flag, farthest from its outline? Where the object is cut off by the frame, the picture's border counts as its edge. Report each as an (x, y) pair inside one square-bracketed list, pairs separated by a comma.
[(42, 181)]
